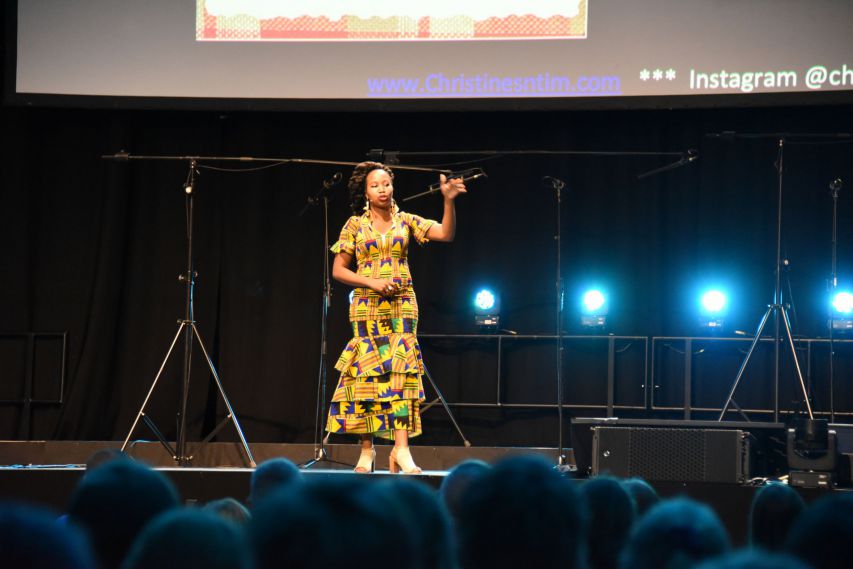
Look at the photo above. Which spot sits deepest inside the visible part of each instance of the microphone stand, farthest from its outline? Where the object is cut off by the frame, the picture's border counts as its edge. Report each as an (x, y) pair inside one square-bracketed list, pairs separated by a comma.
[(322, 197), (558, 186), (834, 188)]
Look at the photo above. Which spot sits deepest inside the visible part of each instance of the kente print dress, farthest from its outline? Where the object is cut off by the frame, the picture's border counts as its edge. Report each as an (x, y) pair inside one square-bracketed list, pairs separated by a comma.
[(380, 388)]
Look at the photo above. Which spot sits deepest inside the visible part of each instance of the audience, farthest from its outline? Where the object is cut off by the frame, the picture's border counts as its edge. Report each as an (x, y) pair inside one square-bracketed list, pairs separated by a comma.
[(189, 539), (675, 534), (522, 513), (272, 476), (823, 534), (427, 516), (229, 509), (330, 522), (774, 508), (611, 516), (114, 502), (457, 482), (643, 494), (30, 537)]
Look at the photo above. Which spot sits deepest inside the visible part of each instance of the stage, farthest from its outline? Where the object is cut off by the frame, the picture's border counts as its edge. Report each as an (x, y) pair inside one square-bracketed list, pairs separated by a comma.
[(45, 472)]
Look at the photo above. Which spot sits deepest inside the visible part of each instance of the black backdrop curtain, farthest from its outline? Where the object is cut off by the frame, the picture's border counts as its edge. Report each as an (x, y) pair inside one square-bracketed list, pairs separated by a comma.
[(94, 247)]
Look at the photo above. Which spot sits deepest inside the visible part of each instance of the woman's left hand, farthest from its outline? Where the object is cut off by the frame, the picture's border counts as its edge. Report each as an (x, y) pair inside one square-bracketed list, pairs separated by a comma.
[(451, 189)]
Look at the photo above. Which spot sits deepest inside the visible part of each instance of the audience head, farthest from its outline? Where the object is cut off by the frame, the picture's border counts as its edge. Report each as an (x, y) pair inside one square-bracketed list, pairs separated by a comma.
[(823, 533), (753, 559), (457, 482), (427, 516), (675, 534), (229, 509), (103, 456), (271, 476), (189, 539), (522, 513), (330, 521), (30, 537), (114, 502), (774, 508), (645, 497), (611, 515)]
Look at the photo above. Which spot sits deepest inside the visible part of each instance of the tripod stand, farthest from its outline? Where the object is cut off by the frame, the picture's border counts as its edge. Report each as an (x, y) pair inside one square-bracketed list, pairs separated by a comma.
[(319, 440), (187, 327), (779, 310)]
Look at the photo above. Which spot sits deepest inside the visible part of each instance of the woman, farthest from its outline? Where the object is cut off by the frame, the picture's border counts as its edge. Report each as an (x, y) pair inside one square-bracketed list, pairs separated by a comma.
[(380, 389)]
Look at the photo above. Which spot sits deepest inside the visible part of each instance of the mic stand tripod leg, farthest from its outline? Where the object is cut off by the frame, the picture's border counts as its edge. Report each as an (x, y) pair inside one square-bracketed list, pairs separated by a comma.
[(141, 413), (745, 362), (790, 337), (438, 393), (225, 400)]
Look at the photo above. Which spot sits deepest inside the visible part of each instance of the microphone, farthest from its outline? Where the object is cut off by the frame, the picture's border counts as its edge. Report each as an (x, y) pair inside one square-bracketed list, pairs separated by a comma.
[(333, 181), (836, 184), (466, 175), (552, 182)]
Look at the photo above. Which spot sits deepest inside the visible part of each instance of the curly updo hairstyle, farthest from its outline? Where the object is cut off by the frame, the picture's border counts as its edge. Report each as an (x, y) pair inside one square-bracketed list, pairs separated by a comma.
[(357, 186)]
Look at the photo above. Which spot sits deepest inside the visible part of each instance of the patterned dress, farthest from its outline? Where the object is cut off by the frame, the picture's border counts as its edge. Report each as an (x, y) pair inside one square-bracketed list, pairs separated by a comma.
[(380, 388)]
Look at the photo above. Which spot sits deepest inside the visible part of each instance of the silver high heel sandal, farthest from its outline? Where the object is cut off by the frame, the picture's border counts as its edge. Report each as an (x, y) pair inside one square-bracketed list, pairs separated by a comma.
[(366, 461), (401, 459)]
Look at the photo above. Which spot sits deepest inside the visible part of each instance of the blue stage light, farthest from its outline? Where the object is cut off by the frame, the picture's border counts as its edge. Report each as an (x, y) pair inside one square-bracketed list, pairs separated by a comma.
[(594, 309), (487, 309), (593, 301), (714, 302), (484, 299), (713, 308), (843, 303)]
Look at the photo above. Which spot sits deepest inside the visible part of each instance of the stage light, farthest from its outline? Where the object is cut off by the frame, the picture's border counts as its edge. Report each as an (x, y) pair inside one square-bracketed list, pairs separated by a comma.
[(713, 308), (487, 308), (594, 309), (841, 312)]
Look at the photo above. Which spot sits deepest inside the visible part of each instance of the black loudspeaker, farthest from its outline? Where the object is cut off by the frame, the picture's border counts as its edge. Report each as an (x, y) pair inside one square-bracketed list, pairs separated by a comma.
[(672, 455)]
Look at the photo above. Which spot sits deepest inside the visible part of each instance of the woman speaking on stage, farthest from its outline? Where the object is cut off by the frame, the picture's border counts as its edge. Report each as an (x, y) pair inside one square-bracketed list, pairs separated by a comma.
[(380, 389)]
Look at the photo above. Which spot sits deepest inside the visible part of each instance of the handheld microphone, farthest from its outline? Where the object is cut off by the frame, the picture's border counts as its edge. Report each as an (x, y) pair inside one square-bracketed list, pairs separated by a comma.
[(466, 175)]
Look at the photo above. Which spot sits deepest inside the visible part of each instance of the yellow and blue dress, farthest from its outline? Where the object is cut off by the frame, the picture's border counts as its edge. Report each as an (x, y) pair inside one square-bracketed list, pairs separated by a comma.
[(380, 388)]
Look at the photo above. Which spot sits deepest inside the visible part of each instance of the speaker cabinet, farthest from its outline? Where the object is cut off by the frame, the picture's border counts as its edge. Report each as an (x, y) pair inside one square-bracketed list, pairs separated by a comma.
[(676, 455)]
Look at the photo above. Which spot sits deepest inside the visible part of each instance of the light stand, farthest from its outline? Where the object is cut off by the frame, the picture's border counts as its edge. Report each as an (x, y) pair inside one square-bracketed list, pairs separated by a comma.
[(834, 188), (188, 327), (780, 312)]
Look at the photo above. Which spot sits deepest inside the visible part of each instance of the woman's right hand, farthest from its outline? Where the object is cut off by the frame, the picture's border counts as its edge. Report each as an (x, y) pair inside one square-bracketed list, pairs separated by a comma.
[(384, 287)]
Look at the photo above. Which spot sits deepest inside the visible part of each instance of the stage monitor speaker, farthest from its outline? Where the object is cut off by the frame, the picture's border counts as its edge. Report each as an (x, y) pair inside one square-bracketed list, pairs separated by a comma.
[(676, 455)]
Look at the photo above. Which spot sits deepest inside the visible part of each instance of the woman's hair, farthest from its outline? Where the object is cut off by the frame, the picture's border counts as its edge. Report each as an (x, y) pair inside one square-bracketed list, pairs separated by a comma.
[(357, 187)]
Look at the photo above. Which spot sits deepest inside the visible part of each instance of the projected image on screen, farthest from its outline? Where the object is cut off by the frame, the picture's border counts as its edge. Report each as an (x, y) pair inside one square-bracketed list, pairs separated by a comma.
[(377, 20), (345, 52)]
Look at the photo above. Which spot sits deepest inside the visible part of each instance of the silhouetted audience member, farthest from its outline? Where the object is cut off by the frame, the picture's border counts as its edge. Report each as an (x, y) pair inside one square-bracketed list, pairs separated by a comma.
[(823, 533), (103, 456), (331, 522), (455, 485), (753, 559), (30, 537), (434, 538), (114, 502), (675, 534), (611, 515), (271, 476), (774, 508), (229, 509), (522, 513), (645, 497), (189, 539)]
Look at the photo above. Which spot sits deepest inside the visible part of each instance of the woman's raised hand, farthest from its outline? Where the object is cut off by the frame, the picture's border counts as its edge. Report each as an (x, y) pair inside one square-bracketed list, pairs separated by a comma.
[(450, 189)]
